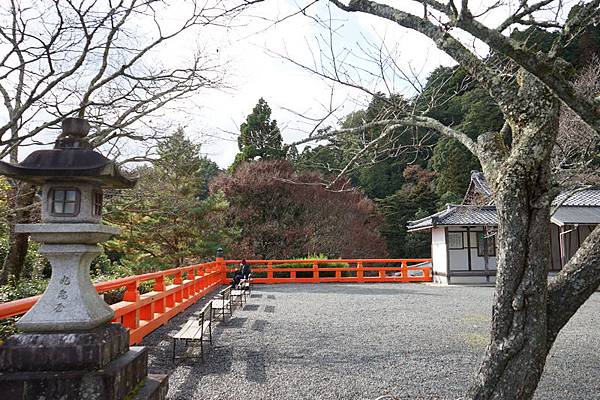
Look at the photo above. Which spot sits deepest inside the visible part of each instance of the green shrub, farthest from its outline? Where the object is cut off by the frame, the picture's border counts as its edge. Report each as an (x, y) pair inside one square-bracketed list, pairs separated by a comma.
[(25, 288), (35, 265), (7, 328), (308, 266), (21, 290)]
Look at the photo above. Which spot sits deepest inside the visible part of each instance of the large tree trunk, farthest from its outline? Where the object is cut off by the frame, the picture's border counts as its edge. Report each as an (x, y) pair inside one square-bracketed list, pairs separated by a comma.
[(515, 357), (22, 198)]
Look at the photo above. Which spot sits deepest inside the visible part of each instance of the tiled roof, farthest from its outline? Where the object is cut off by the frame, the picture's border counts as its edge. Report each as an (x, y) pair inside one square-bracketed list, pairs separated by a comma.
[(579, 207), (478, 191), (457, 215), (486, 215), (584, 198), (589, 197)]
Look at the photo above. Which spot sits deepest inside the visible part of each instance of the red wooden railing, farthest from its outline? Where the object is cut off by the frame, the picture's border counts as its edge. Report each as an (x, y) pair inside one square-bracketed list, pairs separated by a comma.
[(318, 271), (173, 291), (176, 289)]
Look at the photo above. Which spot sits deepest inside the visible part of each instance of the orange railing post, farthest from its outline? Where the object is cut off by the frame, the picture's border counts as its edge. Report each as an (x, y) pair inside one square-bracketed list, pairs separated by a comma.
[(221, 266), (315, 268), (427, 274), (131, 320), (131, 292), (404, 271), (178, 280), (360, 272), (269, 272), (159, 286)]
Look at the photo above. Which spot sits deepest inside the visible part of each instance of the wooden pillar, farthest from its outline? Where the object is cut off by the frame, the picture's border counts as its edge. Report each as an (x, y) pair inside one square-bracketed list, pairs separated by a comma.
[(563, 246), (469, 248)]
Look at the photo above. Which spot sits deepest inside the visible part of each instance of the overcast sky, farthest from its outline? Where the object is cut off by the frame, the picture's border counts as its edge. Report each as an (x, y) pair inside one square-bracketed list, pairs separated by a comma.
[(255, 50), (260, 51), (255, 70)]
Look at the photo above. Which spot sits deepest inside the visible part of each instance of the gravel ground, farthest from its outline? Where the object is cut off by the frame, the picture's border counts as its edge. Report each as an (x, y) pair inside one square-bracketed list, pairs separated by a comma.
[(361, 341)]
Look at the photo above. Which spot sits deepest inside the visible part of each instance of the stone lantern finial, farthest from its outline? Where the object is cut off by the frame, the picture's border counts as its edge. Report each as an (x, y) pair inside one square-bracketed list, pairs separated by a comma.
[(73, 135)]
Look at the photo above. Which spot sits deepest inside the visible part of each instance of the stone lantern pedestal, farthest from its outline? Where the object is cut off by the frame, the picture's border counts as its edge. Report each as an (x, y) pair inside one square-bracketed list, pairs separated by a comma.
[(70, 303), (69, 349)]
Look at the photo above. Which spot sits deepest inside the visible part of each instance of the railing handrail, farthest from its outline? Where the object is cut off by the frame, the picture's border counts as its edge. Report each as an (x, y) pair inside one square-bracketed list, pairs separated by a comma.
[(21, 306), (105, 286), (331, 261), (142, 313)]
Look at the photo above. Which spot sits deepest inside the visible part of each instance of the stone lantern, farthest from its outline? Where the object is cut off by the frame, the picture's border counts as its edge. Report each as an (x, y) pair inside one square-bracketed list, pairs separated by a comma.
[(69, 348), (71, 177)]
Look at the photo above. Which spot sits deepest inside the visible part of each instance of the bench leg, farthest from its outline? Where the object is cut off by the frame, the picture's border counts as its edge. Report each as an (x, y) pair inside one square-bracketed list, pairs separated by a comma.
[(201, 350), (174, 341), (210, 333)]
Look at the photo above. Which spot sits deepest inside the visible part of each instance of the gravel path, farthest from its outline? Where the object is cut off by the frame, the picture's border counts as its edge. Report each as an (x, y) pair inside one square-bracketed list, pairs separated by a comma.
[(361, 341)]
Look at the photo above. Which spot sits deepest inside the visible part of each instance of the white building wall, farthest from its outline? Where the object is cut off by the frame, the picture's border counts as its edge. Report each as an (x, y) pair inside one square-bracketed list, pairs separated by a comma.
[(459, 258), (438, 250)]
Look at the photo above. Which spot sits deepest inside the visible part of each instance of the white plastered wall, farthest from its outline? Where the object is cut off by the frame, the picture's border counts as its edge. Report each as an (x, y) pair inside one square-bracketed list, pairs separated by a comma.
[(438, 254), (459, 258)]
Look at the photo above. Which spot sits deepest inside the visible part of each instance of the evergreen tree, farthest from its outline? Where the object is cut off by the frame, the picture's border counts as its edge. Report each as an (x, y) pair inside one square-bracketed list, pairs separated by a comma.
[(169, 216), (463, 104), (453, 165), (414, 200), (260, 137)]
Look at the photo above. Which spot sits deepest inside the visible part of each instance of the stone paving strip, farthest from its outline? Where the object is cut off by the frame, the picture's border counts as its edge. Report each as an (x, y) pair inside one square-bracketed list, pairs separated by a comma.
[(362, 341)]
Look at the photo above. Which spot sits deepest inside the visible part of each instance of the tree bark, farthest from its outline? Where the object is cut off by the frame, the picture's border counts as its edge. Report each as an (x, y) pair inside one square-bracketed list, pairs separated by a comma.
[(515, 357), (22, 199)]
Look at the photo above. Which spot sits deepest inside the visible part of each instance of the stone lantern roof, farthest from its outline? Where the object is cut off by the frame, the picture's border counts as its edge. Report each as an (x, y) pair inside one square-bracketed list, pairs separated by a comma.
[(71, 159)]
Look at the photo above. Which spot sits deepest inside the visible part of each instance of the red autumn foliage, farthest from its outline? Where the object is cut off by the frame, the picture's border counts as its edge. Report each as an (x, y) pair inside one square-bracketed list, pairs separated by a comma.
[(281, 214)]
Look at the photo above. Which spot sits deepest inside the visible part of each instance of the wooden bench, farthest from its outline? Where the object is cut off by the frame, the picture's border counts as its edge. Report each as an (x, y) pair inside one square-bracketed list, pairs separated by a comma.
[(222, 303), (246, 284), (195, 331), (242, 290), (238, 293)]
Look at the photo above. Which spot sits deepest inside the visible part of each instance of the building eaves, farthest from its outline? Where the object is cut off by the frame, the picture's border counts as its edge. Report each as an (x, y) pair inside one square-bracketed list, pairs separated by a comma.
[(576, 216), (478, 191), (457, 215)]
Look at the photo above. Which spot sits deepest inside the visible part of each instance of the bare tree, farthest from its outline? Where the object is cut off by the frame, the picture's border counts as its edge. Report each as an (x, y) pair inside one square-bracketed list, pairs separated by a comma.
[(529, 87), (101, 60), (575, 156)]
